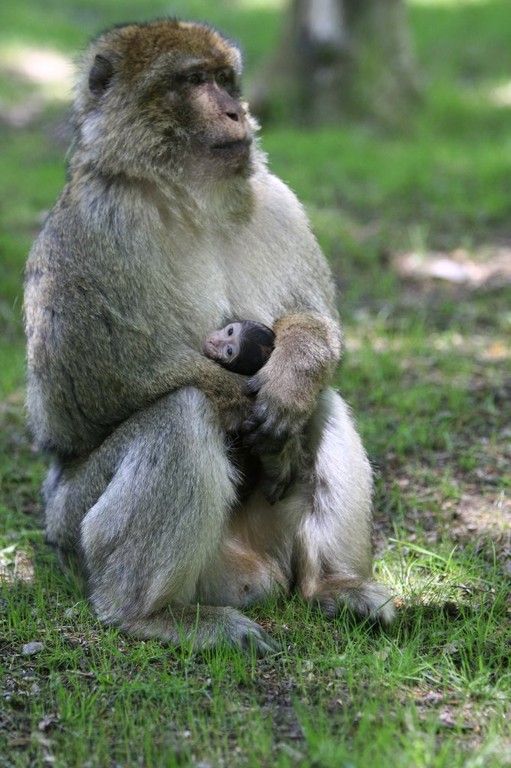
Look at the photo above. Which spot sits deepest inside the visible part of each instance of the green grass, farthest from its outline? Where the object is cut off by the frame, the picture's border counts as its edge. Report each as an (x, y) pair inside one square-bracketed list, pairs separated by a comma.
[(427, 371)]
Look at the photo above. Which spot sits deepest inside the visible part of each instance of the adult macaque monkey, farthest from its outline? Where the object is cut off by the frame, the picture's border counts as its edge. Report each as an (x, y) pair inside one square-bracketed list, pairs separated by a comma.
[(170, 224)]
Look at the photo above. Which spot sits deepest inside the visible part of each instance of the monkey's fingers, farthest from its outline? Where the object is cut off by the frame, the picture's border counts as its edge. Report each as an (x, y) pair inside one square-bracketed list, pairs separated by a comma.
[(268, 430), (269, 437), (257, 642), (257, 417)]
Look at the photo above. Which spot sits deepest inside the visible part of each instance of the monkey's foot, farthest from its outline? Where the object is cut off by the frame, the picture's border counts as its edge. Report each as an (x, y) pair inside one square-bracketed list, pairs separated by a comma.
[(248, 635), (366, 599), (201, 627)]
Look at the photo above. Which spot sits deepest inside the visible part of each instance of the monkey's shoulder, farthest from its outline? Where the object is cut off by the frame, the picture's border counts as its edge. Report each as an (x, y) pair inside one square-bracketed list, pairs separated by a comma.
[(64, 240), (277, 200)]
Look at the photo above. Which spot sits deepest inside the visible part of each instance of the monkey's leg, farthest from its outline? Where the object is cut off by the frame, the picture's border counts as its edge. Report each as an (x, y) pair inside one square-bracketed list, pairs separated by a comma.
[(158, 520), (334, 553)]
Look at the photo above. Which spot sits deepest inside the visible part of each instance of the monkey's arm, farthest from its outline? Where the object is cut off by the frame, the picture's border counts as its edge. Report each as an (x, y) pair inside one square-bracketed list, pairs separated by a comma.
[(224, 389), (79, 387), (307, 349)]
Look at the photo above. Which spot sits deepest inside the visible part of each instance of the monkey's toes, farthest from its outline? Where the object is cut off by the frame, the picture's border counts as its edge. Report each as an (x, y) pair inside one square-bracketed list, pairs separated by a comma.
[(249, 636)]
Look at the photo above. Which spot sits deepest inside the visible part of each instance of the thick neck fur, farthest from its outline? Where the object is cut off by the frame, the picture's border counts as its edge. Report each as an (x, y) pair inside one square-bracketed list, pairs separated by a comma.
[(192, 198)]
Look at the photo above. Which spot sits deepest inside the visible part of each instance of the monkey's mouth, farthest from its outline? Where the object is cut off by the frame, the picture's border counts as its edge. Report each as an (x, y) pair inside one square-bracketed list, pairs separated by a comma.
[(210, 350), (233, 147)]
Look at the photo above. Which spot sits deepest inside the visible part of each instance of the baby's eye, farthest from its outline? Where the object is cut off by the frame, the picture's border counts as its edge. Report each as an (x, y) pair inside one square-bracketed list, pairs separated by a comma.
[(230, 330), (229, 351)]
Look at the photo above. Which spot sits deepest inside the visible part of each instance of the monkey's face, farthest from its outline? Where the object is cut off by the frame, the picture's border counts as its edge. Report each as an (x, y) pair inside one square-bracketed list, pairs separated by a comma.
[(164, 98), (223, 346), (213, 129)]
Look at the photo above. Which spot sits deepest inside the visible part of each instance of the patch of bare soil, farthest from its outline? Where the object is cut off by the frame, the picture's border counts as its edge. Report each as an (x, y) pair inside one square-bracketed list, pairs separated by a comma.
[(488, 267)]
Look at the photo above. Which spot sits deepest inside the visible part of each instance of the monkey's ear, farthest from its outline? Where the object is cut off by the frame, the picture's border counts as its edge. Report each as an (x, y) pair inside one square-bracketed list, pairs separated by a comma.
[(100, 75)]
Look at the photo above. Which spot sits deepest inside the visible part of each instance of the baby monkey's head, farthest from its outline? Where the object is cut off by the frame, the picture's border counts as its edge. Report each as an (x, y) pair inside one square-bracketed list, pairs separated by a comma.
[(242, 347)]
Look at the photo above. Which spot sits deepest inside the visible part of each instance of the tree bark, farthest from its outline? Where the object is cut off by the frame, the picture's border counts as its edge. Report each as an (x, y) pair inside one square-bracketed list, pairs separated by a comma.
[(340, 58)]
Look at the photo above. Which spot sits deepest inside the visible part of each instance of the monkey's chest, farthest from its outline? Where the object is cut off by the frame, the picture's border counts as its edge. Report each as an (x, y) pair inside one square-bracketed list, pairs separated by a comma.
[(195, 292), (255, 284), (218, 280)]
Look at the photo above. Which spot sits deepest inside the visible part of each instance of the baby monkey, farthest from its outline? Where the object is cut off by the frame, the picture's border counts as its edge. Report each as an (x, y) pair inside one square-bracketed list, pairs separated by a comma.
[(242, 347)]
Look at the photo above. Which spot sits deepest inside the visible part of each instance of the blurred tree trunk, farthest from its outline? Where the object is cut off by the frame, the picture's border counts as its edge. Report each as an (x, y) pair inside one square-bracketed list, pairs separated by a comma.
[(340, 58)]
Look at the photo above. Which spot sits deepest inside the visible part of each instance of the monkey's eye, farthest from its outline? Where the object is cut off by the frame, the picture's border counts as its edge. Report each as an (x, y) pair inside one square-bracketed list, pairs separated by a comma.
[(230, 330), (224, 78), (229, 350), (196, 78)]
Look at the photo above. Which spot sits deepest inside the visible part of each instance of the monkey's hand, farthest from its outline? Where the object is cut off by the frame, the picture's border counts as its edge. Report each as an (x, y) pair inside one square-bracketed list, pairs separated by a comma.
[(307, 348), (280, 470)]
